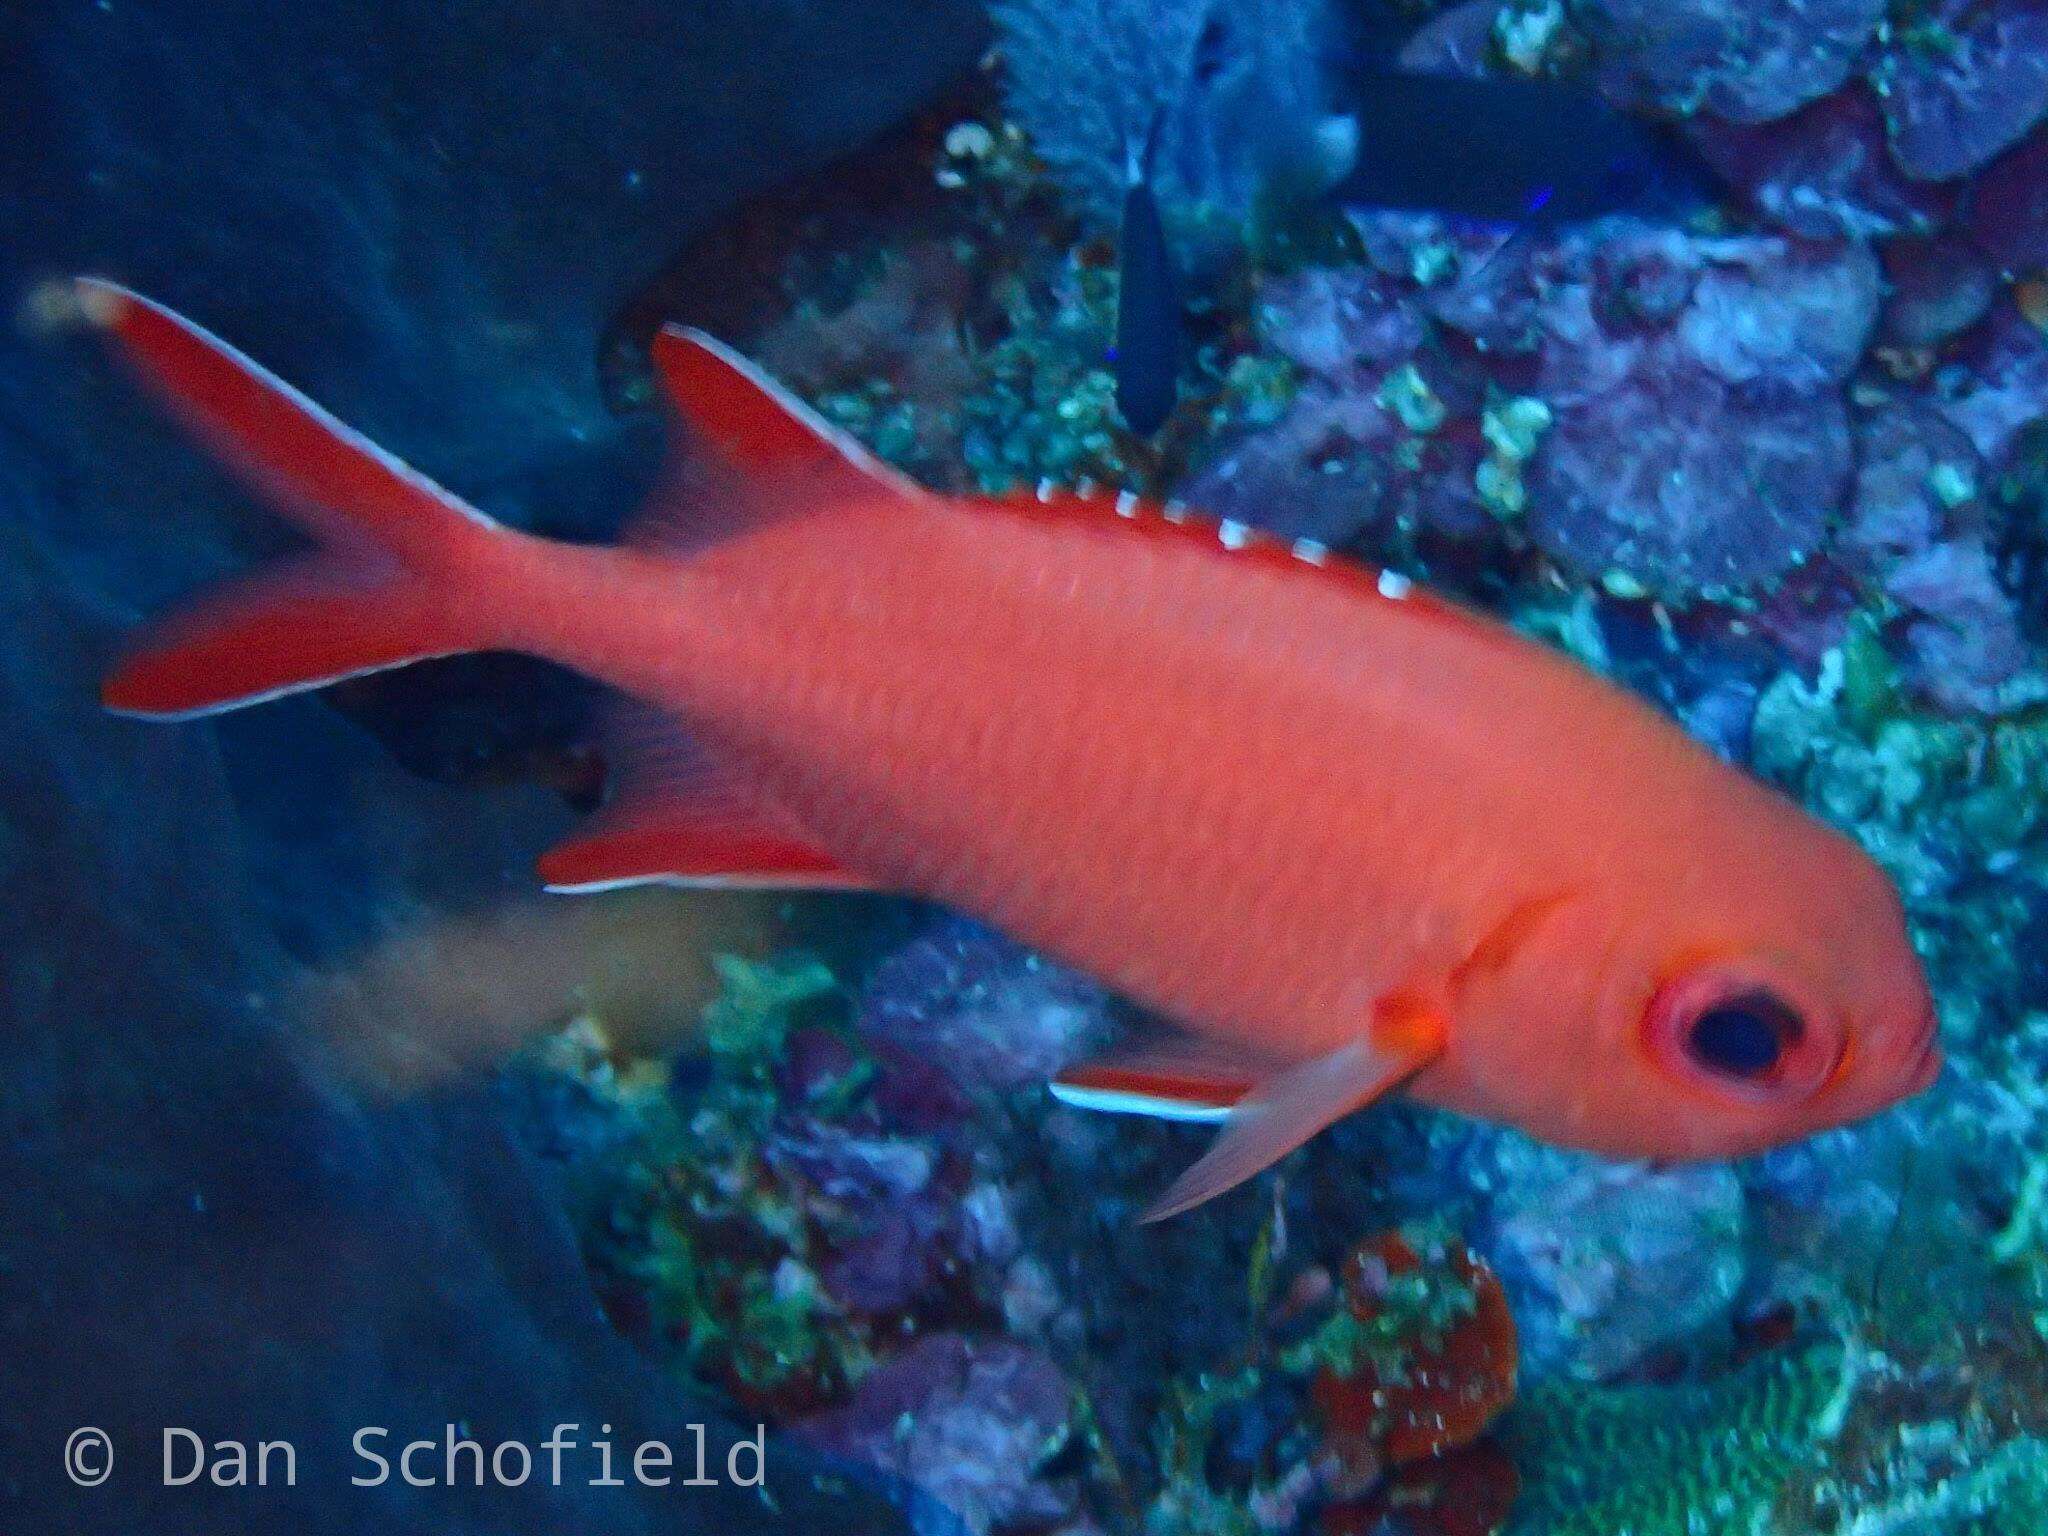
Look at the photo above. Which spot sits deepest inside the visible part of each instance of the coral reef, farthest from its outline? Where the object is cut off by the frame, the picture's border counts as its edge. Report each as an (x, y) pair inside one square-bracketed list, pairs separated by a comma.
[(1701, 435), (1748, 63), (987, 1012), (1779, 466), (971, 1422)]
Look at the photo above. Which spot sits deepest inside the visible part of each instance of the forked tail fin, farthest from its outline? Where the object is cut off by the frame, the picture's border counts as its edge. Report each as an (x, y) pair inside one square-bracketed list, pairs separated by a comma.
[(388, 584)]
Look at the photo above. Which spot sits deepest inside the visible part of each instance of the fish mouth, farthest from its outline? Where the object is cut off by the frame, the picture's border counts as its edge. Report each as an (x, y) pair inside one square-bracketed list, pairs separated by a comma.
[(1925, 1062), (1925, 1069)]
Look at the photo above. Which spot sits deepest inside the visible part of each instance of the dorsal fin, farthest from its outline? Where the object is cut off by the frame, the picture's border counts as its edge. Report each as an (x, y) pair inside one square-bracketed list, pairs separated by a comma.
[(677, 817), (1176, 522), (752, 452), (759, 428)]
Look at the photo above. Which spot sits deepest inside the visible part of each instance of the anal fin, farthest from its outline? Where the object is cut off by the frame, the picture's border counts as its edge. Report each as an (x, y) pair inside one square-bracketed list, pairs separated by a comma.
[(677, 817), (679, 845)]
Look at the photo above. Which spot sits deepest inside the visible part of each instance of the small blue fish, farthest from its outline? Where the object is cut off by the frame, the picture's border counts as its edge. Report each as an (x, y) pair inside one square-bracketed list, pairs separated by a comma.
[(1146, 358)]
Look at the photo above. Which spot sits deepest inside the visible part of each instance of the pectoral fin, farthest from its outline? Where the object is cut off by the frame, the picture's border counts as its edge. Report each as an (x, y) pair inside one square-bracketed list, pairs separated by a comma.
[(1285, 1110)]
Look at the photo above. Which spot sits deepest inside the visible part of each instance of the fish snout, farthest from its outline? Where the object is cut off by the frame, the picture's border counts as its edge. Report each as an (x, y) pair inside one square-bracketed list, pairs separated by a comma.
[(1927, 1061), (1919, 1061)]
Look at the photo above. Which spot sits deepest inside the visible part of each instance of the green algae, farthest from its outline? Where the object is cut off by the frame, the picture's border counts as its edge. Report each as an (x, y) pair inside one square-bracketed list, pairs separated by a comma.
[(2005, 1493), (1671, 1461), (1031, 395), (747, 1023), (1411, 1312), (1407, 394), (686, 1227), (1853, 745), (1513, 426)]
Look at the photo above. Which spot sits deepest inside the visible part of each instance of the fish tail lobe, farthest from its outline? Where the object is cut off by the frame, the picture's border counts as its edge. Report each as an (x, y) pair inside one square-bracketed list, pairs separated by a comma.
[(396, 572)]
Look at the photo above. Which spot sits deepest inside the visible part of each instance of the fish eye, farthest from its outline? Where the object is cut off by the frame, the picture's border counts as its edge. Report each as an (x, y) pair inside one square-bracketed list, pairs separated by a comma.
[(1744, 1036), (1743, 1029)]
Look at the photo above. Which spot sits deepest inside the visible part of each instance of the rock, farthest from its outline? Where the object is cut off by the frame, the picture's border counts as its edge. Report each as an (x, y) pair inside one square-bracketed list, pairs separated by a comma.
[(1697, 447), (1913, 467), (1315, 474), (1795, 317), (1964, 83), (987, 1011), (1940, 287), (1824, 172), (1999, 385), (1716, 490), (1965, 649), (2008, 215), (893, 1264), (1747, 62), (1339, 323), (970, 1421), (843, 1164), (1808, 614), (1610, 1263)]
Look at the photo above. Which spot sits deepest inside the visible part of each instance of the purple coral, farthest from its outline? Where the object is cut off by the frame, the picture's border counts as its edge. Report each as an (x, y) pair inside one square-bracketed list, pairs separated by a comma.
[(1682, 485), (970, 1421), (1965, 83), (2009, 206), (1338, 324), (1824, 172), (1342, 464), (1705, 449), (990, 1013), (1905, 451), (1917, 532), (1795, 316), (1745, 60)]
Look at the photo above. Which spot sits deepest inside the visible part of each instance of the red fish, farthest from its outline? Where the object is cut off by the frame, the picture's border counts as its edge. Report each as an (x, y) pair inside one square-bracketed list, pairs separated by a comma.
[(1349, 836)]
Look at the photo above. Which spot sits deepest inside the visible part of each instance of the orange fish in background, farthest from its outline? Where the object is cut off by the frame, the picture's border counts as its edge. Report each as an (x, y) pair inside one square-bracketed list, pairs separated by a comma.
[(1351, 837)]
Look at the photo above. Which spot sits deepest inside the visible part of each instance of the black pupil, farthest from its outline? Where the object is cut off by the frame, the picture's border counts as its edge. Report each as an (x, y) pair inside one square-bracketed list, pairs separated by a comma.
[(1745, 1036)]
